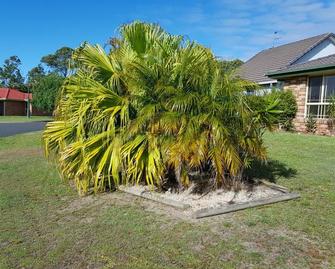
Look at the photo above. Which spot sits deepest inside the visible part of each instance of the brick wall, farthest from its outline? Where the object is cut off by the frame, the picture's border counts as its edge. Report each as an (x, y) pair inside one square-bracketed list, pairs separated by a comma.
[(298, 85), (15, 108)]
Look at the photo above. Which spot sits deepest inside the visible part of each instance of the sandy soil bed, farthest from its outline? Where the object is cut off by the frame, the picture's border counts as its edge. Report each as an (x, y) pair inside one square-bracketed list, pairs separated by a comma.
[(219, 198)]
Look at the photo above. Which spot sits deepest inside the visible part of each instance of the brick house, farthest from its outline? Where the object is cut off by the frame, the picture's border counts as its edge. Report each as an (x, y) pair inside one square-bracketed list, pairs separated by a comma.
[(307, 67), (14, 102)]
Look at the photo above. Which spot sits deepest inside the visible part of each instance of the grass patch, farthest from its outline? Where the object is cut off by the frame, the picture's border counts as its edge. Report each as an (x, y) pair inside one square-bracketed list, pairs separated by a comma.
[(44, 224), (12, 119)]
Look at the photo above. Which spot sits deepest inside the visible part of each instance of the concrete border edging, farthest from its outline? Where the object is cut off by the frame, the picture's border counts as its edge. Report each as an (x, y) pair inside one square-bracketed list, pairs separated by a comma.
[(208, 212), (211, 211), (149, 196), (274, 186)]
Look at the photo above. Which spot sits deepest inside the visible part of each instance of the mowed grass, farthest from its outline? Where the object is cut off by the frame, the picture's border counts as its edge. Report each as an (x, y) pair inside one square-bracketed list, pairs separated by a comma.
[(9, 119), (44, 224)]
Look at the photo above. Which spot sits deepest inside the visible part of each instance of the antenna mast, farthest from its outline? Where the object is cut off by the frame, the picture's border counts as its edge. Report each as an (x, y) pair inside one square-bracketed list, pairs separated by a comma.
[(275, 38)]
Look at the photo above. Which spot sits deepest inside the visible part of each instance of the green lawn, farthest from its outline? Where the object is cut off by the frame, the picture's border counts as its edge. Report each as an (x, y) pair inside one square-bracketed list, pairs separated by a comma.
[(23, 118), (44, 224)]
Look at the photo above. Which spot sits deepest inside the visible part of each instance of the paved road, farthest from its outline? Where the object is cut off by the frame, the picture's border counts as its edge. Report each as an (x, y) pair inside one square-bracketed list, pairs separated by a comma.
[(8, 129)]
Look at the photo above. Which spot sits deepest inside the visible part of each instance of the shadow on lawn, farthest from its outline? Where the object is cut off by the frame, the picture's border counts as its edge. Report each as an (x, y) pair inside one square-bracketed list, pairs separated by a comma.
[(271, 171)]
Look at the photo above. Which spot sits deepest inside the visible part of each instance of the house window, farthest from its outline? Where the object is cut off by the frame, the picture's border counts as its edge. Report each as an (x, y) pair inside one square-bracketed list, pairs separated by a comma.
[(329, 88), (320, 90)]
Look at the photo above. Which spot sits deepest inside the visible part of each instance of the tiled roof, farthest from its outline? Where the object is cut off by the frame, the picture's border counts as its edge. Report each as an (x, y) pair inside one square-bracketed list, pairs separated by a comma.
[(280, 57), (317, 63), (13, 94)]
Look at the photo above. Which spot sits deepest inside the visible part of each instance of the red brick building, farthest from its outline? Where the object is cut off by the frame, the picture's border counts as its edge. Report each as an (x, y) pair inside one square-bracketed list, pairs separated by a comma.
[(14, 102)]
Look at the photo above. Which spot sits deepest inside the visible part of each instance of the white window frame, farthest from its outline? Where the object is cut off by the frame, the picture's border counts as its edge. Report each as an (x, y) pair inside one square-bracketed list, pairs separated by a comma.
[(321, 105)]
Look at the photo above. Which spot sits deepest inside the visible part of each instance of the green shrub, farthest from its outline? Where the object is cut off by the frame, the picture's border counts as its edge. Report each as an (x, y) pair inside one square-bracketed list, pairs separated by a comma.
[(310, 125), (331, 108), (287, 106), (45, 91), (331, 113)]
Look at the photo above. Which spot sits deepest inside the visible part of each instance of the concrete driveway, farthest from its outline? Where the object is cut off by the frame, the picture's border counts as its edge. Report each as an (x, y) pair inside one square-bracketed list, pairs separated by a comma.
[(8, 129)]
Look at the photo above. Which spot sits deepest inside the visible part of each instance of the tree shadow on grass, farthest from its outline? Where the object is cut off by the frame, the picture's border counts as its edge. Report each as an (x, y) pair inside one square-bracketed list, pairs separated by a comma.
[(271, 171)]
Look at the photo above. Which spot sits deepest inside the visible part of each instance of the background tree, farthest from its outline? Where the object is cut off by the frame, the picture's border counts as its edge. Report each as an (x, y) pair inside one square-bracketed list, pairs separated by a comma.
[(34, 75), (10, 75), (45, 90), (59, 61), (45, 84), (230, 65)]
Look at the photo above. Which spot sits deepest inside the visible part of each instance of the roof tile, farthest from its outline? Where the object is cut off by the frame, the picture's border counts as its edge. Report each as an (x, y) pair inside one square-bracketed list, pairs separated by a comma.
[(14, 94), (270, 60)]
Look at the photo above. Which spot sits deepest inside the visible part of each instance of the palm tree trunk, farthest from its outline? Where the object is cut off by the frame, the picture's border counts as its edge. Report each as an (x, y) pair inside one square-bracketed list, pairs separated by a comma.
[(178, 175)]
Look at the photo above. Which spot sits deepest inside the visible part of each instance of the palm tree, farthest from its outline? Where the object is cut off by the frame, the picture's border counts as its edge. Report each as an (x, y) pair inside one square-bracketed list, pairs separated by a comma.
[(157, 109)]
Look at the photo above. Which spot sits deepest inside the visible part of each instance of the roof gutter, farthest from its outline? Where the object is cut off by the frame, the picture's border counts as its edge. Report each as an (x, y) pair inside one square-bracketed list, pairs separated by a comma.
[(277, 74), (18, 100)]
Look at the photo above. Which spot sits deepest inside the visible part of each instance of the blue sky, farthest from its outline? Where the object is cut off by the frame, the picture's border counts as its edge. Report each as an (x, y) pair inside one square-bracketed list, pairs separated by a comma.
[(231, 28)]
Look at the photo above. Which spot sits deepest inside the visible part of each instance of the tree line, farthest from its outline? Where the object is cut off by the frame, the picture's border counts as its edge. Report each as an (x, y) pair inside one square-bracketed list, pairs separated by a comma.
[(43, 80)]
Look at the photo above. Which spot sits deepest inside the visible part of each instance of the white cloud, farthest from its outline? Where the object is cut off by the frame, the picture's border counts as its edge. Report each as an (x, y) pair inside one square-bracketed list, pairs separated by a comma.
[(241, 28), (244, 27)]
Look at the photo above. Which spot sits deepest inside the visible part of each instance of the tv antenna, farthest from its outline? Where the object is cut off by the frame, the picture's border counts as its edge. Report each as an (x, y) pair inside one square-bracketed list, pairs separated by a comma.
[(275, 38)]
